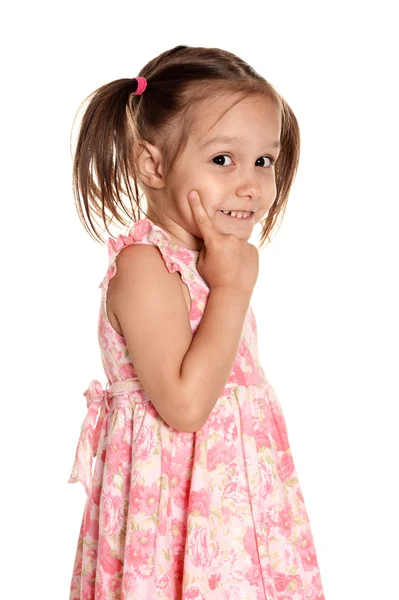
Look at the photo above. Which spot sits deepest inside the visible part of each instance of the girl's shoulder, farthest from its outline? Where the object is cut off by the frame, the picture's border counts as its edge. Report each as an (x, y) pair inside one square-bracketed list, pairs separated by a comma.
[(144, 231)]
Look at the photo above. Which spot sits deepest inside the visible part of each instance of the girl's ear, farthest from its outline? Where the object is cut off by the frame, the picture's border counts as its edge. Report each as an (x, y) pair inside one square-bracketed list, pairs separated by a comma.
[(149, 164)]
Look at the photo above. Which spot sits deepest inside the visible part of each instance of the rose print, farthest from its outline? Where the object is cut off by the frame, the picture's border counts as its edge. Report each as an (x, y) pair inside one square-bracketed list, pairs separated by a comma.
[(193, 592), (111, 507), (229, 430), (236, 493), (199, 501), (213, 581), (220, 453), (266, 478), (145, 442), (199, 547), (306, 549), (285, 466), (234, 593), (110, 563)]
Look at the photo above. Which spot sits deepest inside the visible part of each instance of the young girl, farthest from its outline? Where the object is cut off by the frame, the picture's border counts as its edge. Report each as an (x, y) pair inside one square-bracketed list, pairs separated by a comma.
[(194, 493)]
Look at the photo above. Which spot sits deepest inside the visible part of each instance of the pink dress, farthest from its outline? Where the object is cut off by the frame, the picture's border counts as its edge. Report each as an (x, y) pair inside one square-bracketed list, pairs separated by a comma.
[(216, 514)]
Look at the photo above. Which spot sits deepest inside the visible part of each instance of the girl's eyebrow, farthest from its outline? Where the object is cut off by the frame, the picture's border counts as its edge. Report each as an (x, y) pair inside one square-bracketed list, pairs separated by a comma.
[(227, 139)]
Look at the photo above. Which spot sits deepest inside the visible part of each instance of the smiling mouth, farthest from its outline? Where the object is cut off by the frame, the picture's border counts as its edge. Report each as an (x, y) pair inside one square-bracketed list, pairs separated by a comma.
[(249, 218)]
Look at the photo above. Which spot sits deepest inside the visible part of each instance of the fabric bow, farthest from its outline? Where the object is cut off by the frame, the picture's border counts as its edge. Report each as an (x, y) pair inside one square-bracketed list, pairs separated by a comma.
[(97, 404)]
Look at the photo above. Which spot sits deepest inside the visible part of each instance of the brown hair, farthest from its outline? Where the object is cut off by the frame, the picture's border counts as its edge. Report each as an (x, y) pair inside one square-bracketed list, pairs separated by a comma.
[(104, 170)]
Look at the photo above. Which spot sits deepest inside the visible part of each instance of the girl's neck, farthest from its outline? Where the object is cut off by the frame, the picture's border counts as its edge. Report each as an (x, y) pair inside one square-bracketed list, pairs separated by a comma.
[(174, 240)]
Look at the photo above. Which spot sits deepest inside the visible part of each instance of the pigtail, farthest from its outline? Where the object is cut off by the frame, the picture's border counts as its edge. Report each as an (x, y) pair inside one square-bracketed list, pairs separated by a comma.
[(103, 161)]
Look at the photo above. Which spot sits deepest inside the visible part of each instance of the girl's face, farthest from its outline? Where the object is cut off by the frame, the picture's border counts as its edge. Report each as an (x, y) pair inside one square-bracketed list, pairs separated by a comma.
[(228, 174)]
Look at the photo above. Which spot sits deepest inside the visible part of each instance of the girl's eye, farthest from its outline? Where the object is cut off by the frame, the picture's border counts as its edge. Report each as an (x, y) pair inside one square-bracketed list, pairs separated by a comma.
[(272, 160)]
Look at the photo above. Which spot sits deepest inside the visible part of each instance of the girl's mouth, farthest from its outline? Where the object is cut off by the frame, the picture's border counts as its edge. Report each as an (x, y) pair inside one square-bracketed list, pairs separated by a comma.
[(248, 218)]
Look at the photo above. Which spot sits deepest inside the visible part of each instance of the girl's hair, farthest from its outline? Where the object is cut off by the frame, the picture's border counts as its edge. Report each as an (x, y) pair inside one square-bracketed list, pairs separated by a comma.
[(104, 169)]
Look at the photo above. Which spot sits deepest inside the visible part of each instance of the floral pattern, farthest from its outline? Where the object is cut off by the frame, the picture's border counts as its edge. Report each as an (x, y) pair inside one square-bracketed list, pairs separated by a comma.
[(216, 514)]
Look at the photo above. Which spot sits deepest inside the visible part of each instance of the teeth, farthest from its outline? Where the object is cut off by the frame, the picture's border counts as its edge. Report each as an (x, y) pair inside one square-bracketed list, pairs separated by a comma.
[(237, 214)]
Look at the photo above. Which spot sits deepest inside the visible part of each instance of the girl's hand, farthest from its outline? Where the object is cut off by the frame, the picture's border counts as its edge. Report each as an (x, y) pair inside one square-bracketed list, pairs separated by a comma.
[(226, 260)]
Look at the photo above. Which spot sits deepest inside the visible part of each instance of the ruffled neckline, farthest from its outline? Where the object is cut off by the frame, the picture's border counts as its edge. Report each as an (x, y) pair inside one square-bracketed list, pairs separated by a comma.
[(158, 228)]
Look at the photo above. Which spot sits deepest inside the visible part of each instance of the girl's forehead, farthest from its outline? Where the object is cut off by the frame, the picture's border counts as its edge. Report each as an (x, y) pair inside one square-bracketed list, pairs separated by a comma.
[(257, 118)]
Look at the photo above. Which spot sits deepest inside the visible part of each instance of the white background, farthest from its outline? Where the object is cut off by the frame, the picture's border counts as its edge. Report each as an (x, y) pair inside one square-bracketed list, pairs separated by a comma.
[(325, 301)]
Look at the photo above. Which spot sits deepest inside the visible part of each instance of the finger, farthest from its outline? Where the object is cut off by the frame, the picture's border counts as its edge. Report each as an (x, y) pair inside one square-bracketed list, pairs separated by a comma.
[(204, 223)]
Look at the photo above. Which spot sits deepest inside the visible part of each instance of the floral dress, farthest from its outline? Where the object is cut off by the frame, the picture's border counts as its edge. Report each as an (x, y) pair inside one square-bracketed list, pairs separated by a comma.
[(215, 514)]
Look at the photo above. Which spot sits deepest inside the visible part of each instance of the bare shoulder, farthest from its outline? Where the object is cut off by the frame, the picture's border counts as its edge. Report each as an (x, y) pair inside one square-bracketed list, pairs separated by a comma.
[(113, 284)]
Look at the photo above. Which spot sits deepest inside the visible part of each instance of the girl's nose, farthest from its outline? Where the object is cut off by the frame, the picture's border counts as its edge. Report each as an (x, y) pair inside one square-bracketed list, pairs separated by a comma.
[(249, 186)]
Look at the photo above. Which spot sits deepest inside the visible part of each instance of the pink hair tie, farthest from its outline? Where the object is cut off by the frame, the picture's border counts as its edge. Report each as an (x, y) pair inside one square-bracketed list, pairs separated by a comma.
[(142, 84)]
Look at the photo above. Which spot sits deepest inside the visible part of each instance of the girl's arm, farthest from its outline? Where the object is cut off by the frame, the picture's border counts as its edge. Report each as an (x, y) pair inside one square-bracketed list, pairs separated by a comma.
[(182, 375), (210, 359)]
